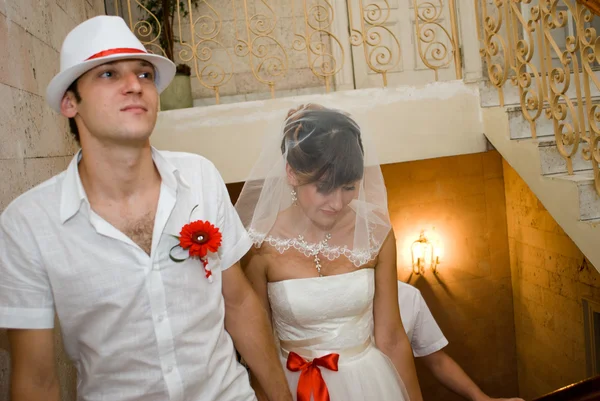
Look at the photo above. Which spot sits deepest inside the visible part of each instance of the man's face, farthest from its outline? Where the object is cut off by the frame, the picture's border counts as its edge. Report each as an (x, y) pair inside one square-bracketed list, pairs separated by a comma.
[(119, 102)]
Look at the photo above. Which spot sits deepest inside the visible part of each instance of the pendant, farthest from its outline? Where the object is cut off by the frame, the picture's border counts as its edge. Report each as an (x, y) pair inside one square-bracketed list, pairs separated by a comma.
[(321, 245), (318, 264)]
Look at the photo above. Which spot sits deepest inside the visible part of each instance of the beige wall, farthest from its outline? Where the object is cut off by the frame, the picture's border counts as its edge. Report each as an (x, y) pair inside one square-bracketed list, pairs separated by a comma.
[(36, 143), (550, 278), (471, 295), (403, 123)]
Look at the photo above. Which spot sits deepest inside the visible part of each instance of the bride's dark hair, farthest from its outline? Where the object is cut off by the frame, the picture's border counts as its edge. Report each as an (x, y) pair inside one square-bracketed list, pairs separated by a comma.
[(323, 146)]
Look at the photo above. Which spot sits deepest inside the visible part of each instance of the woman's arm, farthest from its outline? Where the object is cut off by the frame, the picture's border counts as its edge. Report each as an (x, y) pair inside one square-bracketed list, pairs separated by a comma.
[(390, 336), (255, 269)]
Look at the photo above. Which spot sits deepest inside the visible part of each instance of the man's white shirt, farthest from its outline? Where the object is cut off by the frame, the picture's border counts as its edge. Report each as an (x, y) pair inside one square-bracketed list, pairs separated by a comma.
[(423, 332), (137, 326)]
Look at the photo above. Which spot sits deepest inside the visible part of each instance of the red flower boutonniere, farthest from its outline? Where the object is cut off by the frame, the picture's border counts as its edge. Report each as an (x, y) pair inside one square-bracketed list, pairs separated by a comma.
[(198, 238)]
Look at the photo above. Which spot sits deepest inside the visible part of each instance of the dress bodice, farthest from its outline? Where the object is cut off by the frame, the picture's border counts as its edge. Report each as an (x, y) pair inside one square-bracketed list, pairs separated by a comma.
[(324, 313)]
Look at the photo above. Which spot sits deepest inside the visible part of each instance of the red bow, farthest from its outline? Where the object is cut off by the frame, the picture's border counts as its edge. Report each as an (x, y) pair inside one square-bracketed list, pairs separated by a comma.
[(311, 380)]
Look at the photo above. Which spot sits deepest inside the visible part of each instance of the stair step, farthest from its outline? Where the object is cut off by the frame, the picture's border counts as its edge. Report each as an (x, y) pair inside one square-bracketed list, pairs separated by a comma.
[(489, 96), (589, 201), (520, 128), (552, 162), (572, 200)]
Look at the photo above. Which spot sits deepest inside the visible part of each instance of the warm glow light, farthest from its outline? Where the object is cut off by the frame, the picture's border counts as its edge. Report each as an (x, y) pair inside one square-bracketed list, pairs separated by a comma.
[(425, 254)]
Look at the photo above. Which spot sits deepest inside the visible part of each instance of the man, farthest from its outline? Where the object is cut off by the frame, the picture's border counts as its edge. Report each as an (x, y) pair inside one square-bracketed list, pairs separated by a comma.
[(427, 341), (97, 244)]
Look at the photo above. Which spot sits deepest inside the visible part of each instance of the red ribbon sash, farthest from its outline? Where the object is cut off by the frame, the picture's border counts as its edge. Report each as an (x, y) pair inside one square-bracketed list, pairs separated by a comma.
[(311, 380), (119, 50)]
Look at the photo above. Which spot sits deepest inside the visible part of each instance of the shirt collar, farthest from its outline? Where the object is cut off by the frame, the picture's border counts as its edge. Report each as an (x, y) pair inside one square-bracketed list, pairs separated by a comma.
[(73, 194), (171, 176)]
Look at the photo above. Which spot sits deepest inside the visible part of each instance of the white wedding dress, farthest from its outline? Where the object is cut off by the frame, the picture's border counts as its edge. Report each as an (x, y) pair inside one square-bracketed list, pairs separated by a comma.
[(314, 317)]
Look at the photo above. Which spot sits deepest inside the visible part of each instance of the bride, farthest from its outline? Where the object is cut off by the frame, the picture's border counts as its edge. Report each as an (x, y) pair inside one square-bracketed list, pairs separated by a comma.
[(324, 261)]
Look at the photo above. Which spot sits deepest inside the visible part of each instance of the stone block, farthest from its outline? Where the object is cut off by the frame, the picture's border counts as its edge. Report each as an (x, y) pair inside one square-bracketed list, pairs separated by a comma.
[(46, 64), (299, 78), (531, 236), (12, 145), (75, 9), (532, 292), (18, 69), (37, 130), (552, 162), (62, 24), (536, 276), (548, 223), (563, 286), (562, 306), (99, 7), (33, 16), (562, 244), (23, 174), (13, 183), (588, 292), (586, 272), (532, 256), (200, 91), (29, 111), (551, 259)]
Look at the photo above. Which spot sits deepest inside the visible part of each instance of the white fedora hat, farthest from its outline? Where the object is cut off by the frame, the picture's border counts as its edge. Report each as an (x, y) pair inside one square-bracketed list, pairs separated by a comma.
[(97, 41)]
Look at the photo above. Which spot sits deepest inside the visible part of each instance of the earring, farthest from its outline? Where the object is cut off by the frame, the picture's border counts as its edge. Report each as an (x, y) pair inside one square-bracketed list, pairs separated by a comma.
[(294, 195)]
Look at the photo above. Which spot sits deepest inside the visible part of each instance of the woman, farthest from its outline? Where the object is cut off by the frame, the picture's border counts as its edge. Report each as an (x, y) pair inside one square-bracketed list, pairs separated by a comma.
[(324, 264)]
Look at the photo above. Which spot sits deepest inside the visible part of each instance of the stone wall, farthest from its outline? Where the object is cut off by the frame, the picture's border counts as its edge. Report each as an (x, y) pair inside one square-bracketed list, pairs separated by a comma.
[(550, 277), (36, 143), (460, 199)]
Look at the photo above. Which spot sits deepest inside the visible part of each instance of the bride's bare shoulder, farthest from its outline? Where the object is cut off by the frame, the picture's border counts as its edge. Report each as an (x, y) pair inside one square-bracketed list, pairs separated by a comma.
[(283, 224)]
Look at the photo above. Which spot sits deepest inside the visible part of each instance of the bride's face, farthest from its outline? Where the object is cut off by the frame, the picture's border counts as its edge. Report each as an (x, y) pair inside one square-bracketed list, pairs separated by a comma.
[(324, 208)]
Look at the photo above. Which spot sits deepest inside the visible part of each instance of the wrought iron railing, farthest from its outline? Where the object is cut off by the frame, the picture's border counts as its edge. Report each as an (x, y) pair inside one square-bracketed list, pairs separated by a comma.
[(221, 37), (549, 50), (432, 51)]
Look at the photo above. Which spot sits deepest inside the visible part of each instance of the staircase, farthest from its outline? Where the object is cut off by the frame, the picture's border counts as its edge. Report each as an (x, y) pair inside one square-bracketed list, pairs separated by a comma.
[(532, 61), (570, 198)]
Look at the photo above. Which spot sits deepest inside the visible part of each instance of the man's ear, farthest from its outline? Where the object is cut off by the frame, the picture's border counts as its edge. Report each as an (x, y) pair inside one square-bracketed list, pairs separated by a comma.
[(68, 105), (291, 175)]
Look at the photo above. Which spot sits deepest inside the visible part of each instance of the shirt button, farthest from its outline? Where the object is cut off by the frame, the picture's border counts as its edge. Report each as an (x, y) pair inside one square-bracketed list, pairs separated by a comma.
[(161, 318), (156, 266), (169, 369)]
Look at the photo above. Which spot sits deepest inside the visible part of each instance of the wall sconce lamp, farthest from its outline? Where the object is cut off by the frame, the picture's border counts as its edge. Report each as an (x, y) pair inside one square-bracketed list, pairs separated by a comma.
[(424, 254)]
